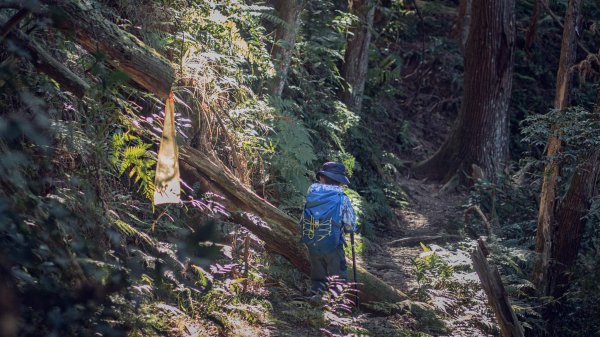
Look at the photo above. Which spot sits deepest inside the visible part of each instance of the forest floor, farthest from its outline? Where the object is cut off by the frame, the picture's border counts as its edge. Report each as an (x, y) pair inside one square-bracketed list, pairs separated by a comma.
[(429, 213), (458, 301)]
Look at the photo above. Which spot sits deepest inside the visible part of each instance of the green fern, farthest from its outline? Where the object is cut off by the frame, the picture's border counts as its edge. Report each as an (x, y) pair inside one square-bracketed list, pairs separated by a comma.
[(295, 152), (130, 155)]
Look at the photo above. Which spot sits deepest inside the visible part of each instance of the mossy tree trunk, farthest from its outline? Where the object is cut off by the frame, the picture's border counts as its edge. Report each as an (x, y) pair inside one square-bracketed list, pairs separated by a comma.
[(84, 21), (480, 134), (356, 58)]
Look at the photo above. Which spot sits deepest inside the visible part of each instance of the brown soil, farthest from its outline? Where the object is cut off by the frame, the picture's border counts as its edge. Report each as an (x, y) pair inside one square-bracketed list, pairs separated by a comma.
[(429, 213)]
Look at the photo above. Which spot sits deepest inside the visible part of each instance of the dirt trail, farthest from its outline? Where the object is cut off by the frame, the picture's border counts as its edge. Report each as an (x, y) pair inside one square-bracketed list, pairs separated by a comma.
[(429, 212)]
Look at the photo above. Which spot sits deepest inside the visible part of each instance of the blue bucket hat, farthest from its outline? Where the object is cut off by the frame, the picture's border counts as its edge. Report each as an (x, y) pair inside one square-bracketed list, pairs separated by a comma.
[(334, 171)]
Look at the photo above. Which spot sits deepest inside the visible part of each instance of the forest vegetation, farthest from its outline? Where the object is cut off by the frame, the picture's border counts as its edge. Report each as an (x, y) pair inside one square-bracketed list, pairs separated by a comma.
[(469, 130)]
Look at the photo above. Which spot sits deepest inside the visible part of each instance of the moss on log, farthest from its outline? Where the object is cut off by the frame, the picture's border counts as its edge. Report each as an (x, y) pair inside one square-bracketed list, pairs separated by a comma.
[(122, 50)]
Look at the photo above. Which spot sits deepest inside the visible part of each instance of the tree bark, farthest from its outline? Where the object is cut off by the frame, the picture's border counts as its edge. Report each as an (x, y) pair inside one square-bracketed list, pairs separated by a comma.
[(480, 134), (570, 220), (285, 39), (546, 222), (278, 230), (356, 58), (122, 50)]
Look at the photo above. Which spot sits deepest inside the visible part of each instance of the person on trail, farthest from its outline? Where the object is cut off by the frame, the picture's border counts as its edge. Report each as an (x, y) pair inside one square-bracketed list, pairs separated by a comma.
[(327, 214)]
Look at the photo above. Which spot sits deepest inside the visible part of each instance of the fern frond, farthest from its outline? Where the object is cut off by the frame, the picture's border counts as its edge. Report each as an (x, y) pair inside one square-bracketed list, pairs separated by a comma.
[(128, 230), (135, 159)]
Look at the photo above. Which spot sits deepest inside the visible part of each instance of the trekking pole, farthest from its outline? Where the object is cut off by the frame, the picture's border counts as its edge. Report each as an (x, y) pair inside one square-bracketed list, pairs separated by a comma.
[(354, 268)]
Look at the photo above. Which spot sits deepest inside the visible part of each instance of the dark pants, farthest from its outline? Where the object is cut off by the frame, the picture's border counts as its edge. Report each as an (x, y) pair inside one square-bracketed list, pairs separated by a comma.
[(325, 265)]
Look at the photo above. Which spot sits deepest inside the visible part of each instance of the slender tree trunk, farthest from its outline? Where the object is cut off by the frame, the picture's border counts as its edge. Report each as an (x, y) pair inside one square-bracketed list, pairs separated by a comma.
[(480, 134), (356, 58), (569, 222), (497, 295), (285, 39), (546, 222), (533, 25)]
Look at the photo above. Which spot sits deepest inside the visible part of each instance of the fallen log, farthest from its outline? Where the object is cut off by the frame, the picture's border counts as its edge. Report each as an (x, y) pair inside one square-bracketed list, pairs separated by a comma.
[(278, 230), (47, 64), (417, 239), (123, 50), (496, 294)]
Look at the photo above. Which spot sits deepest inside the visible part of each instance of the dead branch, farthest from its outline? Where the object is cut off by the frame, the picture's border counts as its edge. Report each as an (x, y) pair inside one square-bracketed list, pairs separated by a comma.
[(423, 238), (475, 208), (496, 293)]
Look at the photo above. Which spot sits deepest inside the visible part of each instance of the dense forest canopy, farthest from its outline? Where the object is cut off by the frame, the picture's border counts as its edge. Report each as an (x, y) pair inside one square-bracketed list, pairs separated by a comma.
[(155, 157)]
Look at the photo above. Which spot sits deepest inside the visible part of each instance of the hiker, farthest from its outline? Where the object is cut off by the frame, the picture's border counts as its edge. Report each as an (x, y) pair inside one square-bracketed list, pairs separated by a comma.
[(328, 213)]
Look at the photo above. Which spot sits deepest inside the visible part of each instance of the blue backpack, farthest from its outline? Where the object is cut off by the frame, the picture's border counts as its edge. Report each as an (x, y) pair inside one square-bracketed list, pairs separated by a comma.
[(321, 221)]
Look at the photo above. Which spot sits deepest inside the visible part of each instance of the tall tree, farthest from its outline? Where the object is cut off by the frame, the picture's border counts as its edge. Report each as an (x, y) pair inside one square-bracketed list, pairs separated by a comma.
[(285, 39), (562, 238), (546, 222), (356, 58), (480, 134)]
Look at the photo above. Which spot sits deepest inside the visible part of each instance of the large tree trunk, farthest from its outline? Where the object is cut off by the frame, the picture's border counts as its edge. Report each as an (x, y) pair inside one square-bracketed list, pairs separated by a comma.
[(546, 222), (356, 58), (285, 39), (122, 50), (278, 230), (480, 134)]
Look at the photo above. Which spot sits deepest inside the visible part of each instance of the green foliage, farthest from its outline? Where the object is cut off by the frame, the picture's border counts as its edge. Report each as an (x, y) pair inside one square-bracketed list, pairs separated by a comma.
[(576, 128), (75, 235), (431, 269), (292, 160), (130, 153), (511, 205)]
